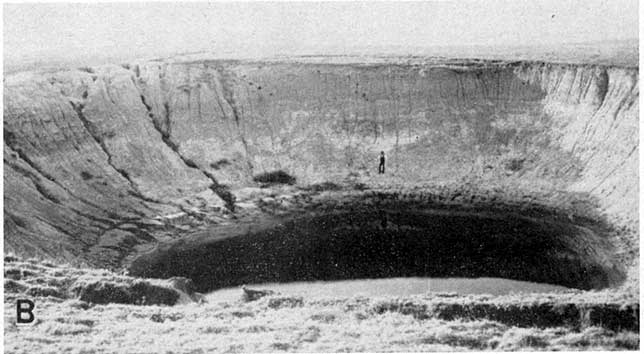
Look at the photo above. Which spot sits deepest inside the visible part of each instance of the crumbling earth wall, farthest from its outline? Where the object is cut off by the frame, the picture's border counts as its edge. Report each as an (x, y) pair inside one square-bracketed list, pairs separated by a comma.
[(93, 155)]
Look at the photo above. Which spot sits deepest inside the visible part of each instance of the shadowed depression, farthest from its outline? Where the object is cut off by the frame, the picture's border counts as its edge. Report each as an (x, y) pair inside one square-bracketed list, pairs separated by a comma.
[(391, 241)]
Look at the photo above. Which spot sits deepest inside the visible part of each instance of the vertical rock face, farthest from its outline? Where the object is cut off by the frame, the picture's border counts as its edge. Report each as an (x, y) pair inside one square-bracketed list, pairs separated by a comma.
[(88, 149)]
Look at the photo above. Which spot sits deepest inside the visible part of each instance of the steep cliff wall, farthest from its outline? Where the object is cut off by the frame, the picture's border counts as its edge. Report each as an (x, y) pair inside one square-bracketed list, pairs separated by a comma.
[(93, 155)]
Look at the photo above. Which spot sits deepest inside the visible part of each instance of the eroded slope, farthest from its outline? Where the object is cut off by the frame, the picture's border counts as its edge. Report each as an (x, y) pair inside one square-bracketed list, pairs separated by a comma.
[(93, 156)]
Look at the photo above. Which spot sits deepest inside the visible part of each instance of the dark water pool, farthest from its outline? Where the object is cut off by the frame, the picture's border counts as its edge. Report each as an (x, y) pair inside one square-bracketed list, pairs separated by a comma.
[(431, 249)]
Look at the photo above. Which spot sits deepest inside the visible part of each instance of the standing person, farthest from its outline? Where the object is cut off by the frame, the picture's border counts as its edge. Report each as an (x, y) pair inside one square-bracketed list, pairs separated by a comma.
[(381, 167)]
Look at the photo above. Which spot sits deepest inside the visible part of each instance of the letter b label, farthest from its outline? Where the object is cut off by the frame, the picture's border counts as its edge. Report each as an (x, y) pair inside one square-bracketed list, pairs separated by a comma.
[(25, 311)]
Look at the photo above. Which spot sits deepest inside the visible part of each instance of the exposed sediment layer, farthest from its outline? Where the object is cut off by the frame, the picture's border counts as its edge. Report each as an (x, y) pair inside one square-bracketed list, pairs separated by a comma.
[(93, 155)]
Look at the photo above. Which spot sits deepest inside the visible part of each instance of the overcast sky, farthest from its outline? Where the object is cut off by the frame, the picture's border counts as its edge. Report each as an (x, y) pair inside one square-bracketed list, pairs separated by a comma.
[(149, 29)]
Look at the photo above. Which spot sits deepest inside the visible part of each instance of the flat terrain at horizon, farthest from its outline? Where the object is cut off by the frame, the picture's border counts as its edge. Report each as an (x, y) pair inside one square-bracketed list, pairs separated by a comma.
[(618, 53)]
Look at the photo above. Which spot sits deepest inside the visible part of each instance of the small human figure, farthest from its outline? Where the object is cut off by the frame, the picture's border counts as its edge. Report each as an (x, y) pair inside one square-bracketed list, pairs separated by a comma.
[(381, 167)]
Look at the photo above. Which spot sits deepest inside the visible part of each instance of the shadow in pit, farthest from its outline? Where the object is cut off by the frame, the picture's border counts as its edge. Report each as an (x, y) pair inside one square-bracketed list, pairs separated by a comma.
[(390, 243)]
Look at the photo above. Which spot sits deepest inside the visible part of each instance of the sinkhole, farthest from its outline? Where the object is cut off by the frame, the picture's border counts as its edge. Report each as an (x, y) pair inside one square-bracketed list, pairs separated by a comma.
[(362, 240)]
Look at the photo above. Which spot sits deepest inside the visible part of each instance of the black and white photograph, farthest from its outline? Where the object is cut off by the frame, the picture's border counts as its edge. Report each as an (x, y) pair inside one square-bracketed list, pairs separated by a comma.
[(321, 177)]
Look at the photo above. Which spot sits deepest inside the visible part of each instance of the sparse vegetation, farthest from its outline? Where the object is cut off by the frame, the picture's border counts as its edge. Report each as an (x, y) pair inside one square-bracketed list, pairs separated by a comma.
[(86, 69), (190, 163), (274, 177), (359, 186), (38, 280), (225, 194), (324, 186), (282, 322), (219, 164), (514, 164)]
